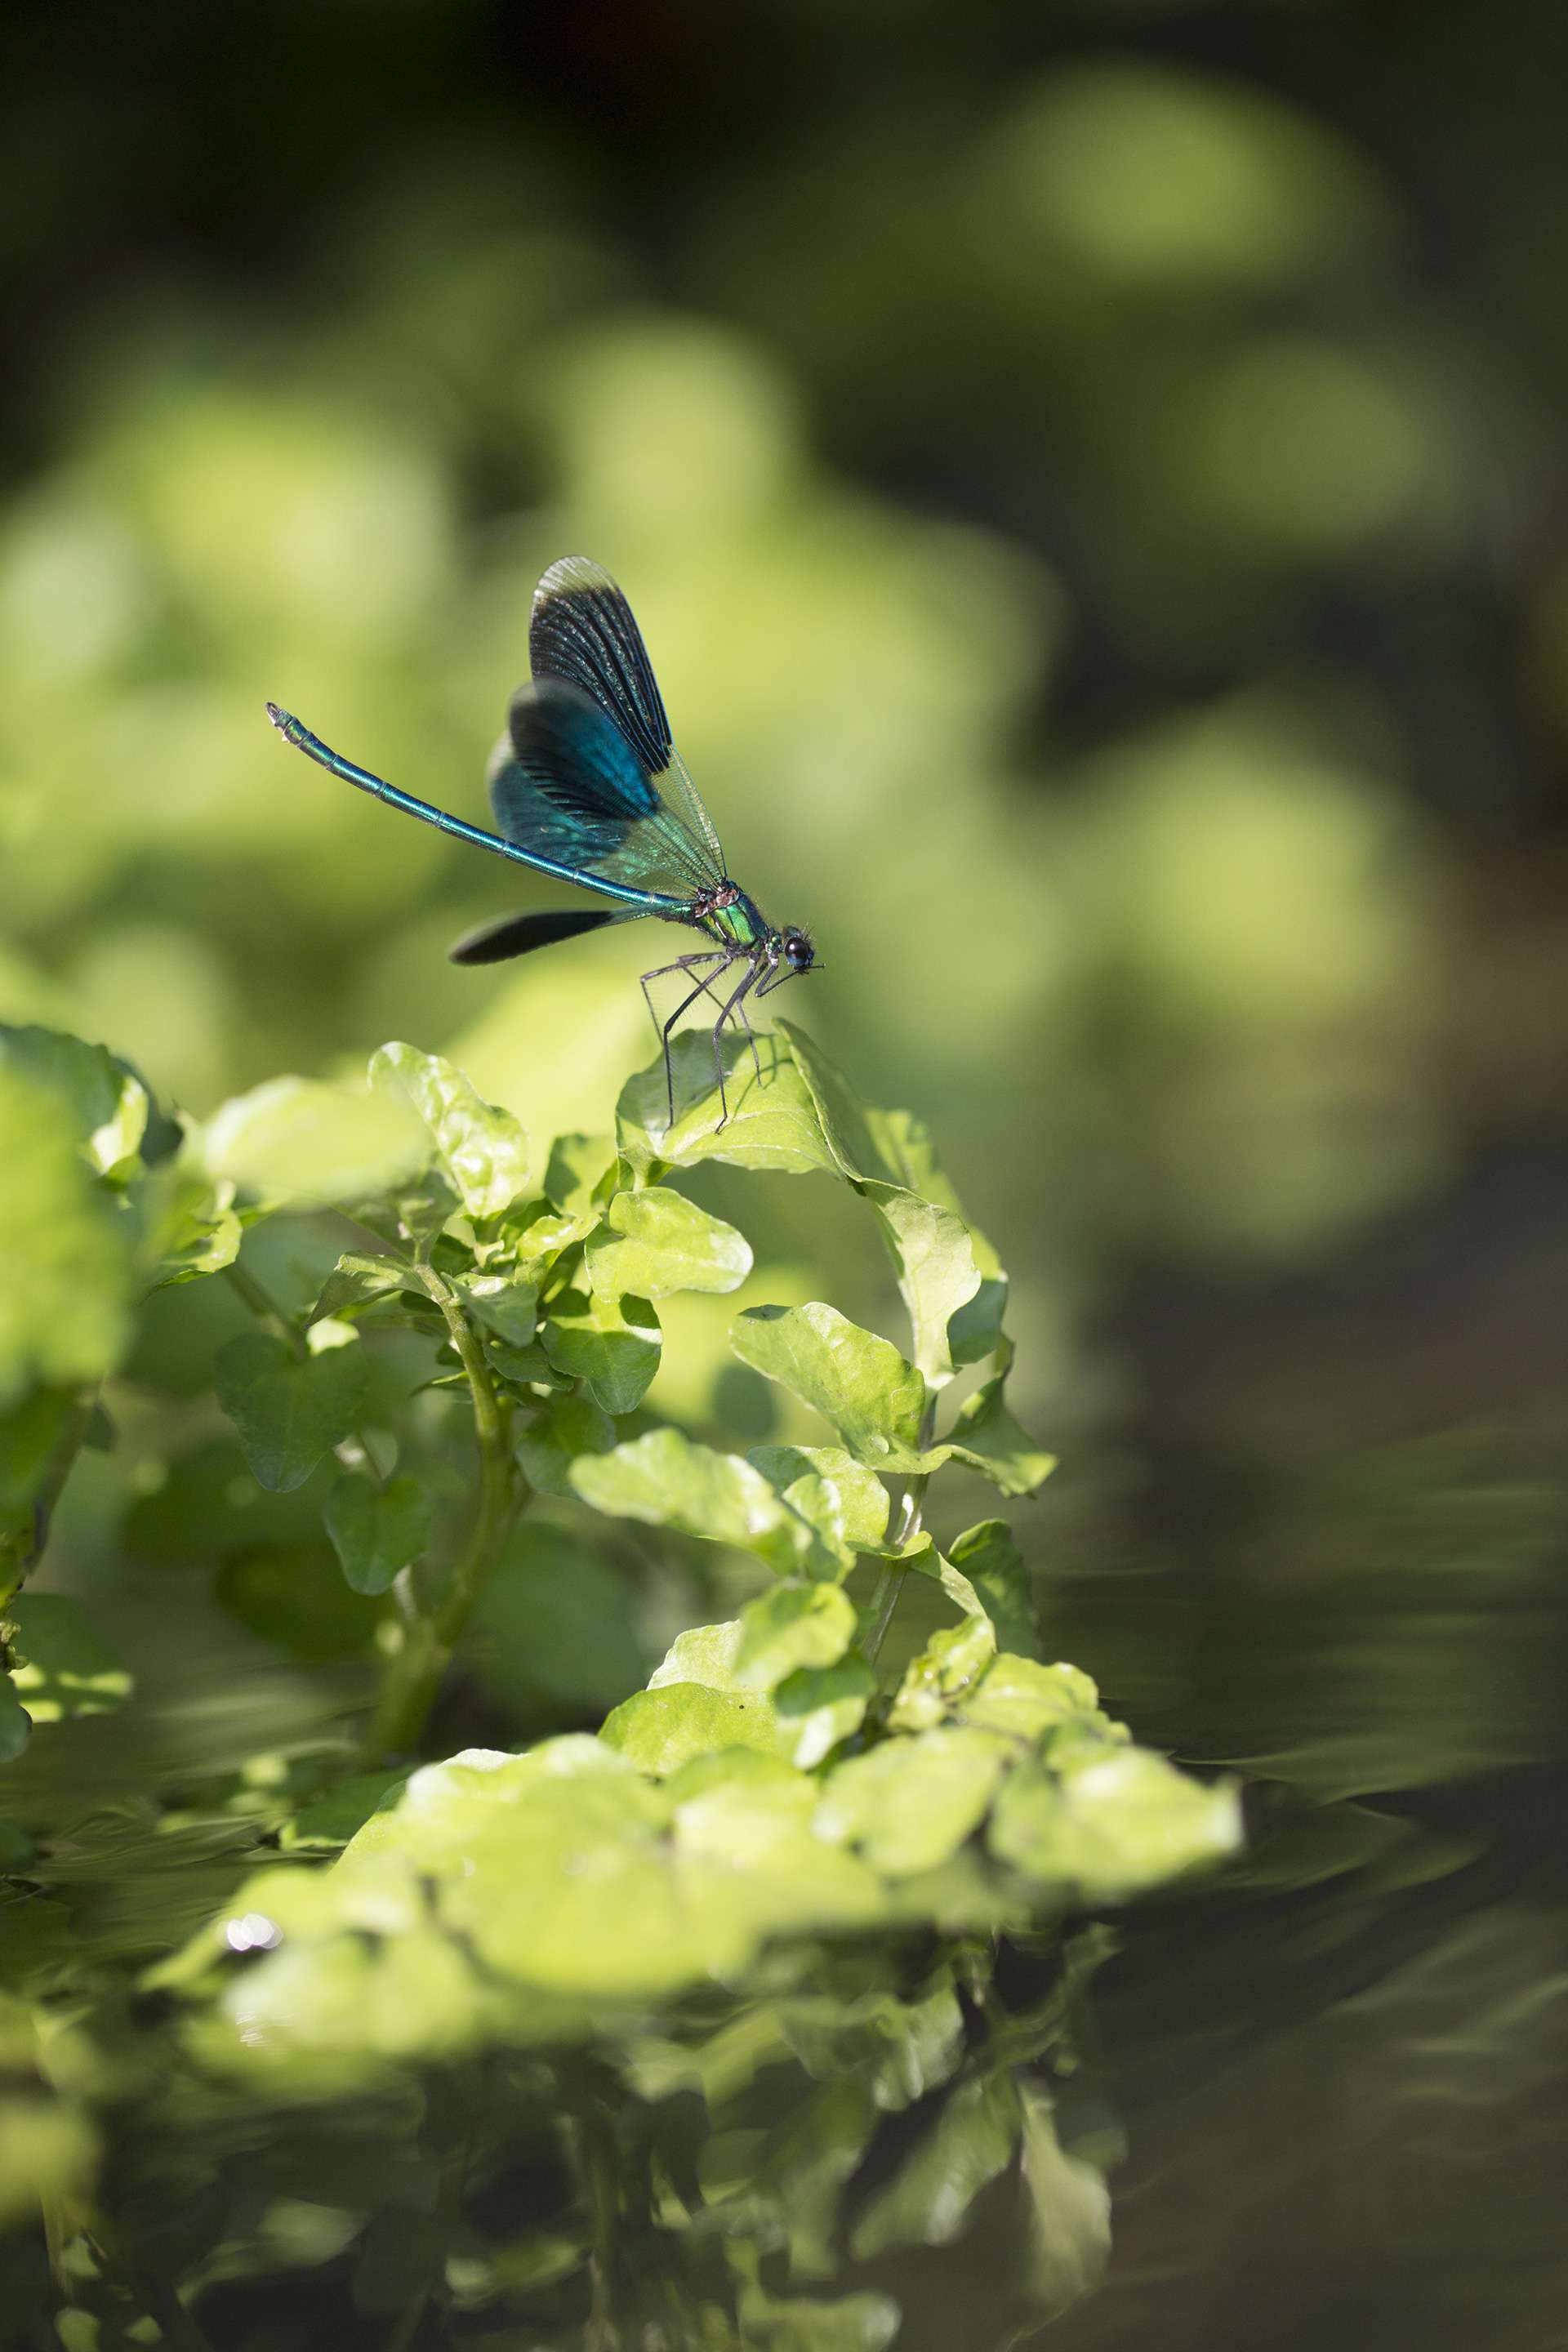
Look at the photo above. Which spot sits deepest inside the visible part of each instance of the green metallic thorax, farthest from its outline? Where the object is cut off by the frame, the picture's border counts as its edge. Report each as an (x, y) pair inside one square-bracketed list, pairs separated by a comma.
[(728, 916)]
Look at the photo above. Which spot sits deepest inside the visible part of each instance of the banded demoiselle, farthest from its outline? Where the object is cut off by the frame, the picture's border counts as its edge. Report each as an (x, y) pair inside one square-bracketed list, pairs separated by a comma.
[(587, 785)]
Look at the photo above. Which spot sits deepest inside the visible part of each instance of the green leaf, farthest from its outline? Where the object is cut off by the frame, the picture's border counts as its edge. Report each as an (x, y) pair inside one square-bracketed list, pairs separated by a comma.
[(989, 1440), (504, 1302), (300, 1142), (993, 1565), (822, 1706), (703, 1654), (772, 1121), (668, 1481), (795, 2323), (936, 1680), (1069, 2211), (66, 1272), (855, 1380), (363, 1279), (106, 1100), (570, 1426), (294, 1594), (189, 1225), (794, 1625), (377, 1530), (16, 1723), (1118, 1825), (937, 1274), (970, 2143), (483, 1151), (63, 1667), (1026, 1699), (612, 1345), (656, 1243), (910, 1803), (845, 1504), (659, 1730), (29, 1439), (290, 1410), (577, 1169)]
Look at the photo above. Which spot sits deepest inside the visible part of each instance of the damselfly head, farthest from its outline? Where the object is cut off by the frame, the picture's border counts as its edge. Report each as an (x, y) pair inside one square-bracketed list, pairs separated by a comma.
[(796, 948)]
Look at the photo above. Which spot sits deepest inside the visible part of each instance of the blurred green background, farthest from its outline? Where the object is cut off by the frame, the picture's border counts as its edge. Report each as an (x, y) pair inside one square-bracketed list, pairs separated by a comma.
[(1091, 477)]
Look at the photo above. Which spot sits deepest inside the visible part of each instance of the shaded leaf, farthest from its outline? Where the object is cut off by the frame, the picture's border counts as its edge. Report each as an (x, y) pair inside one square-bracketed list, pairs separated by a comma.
[(16, 1723), (989, 1440), (569, 1425), (506, 1303), (106, 1101), (290, 1410), (62, 1666), (576, 1172), (361, 1280), (1069, 2211), (65, 1273), (612, 1345), (377, 1530), (927, 2202), (993, 1565)]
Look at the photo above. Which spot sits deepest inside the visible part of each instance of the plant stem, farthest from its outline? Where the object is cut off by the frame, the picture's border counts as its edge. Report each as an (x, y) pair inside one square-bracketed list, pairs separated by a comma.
[(415, 1673), (264, 1307)]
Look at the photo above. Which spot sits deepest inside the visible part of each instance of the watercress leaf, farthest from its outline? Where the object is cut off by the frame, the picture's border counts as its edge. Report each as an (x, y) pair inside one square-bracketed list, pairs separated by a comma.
[(703, 1654), (937, 1273), (772, 1121), (1120, 1822), (376, 1530), (659, 1731), (62, 1666), (106, 1101), (28, 1437), (504, 1301), (16, 1723), (293, 1593), (986, 1438), (855, 1381), (483, 1151), (927, 2202), (189, 1227), (290, 1410), (1022, 1696), (361, 1280), (569, 1426), (655, 1241), (846, 1504), (65, 1269), (577, 1170), (793, 1625), (612, 1345), (910, 1803), (936, 1680), (822, 1706), (988, 1557), (667, 1480), (798, 2322), (300, 1142), (1069, 2211)]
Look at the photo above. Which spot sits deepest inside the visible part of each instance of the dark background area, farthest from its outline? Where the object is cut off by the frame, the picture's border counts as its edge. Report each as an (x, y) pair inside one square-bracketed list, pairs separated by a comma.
[(1093, 479)]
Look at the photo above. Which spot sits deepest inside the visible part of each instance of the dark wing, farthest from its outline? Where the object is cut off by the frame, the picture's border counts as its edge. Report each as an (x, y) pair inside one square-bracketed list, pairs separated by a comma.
[(582, 633), (519, 935), (566, 786)]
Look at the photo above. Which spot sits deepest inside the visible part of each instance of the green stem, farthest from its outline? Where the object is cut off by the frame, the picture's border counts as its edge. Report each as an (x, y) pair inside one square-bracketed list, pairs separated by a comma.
[(264, 1307), (415, 1670), (594, 2144)]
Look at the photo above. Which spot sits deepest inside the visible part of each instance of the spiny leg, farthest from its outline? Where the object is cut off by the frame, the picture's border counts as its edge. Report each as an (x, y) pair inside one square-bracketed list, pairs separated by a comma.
[(753, 972), (681, 963), (702, 988)]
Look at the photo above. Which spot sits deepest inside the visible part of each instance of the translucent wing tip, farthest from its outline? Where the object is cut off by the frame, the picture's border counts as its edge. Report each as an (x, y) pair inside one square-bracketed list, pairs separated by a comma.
[(568, 572)]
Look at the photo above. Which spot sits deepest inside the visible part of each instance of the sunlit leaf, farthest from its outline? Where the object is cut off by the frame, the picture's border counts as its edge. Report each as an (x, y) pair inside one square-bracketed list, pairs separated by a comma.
[(846, 1504), (106, 1101), (772, 1122), (909, 1803), (793, 1625), (971, 2140), (1069, 2211), (667, 1480), (65, 1273), (855, 1380), (1125, 1820), (656, 1243), (822, 1705), (483, 1151), (300, 1142)]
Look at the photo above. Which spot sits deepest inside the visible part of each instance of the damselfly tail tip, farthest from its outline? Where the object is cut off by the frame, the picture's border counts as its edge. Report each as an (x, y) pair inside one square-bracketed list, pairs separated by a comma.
[(281, 718)]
